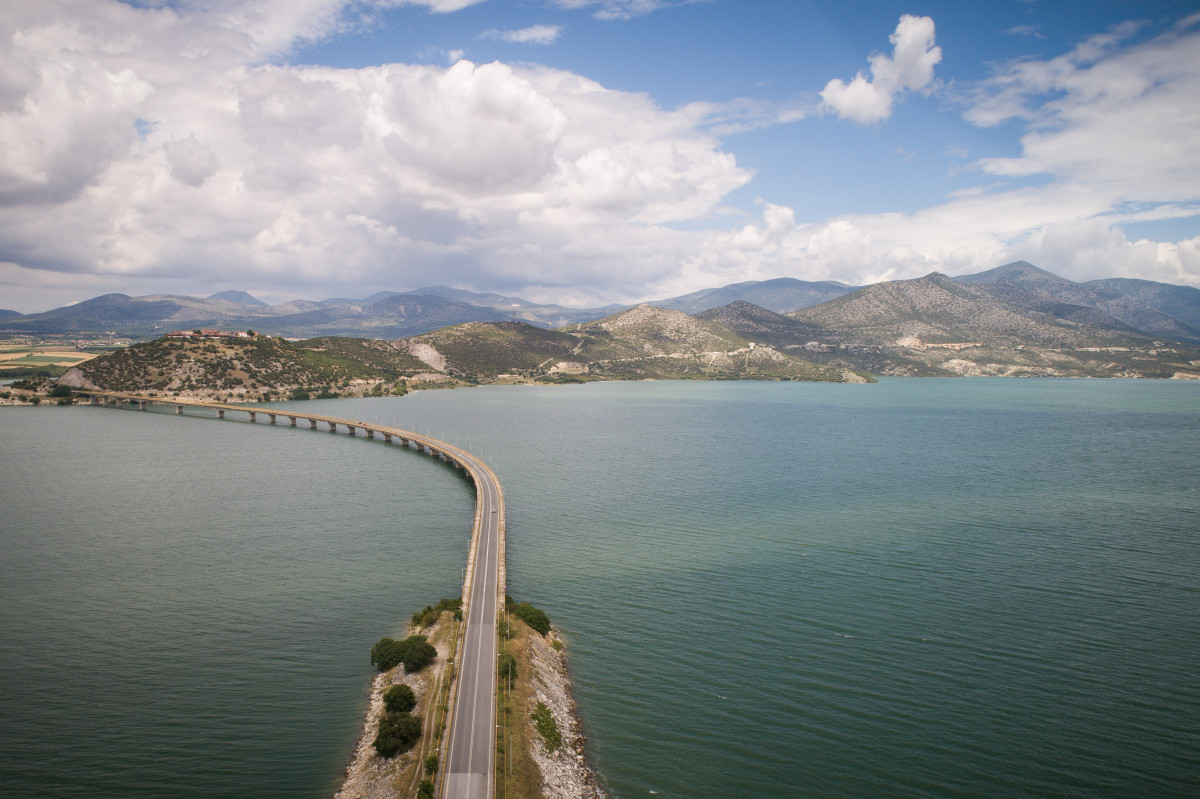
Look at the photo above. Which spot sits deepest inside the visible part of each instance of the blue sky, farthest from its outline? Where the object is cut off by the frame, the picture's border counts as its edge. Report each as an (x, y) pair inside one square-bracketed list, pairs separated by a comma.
[(588, 151)]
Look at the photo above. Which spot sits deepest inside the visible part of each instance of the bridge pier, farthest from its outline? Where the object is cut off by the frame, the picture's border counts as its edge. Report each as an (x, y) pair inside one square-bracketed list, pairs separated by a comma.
[(253, 415), (220, 413), (293, 418), (141, 405), (350, 429), (178, 409), (333, 427), (312, 424), (387, 438), (370, 433), (272, 417)]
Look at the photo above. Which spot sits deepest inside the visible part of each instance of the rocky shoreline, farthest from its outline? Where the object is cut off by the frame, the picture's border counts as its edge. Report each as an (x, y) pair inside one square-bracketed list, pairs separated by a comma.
[(565, 772), (370, 776)]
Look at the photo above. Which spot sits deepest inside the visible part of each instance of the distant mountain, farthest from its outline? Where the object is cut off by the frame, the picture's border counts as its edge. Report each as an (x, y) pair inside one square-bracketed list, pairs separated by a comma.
[(5, 314), (1014, 326), (1157, 309), (639, 343), (1021, 274), (781, 295), (1010, 305), (117, 312), (239, 297), (517, 308), (939, 309)]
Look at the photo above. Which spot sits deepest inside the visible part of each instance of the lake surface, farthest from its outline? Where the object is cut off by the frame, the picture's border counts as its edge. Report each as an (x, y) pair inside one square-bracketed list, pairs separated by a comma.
[(916, 588)]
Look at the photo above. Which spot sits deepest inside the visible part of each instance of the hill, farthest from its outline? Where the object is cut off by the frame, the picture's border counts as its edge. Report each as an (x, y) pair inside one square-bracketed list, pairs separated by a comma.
[(641, 343), (250, 369)]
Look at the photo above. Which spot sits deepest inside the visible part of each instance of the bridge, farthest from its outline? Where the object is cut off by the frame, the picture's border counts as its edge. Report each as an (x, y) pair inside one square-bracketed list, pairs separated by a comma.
[(467, 765)]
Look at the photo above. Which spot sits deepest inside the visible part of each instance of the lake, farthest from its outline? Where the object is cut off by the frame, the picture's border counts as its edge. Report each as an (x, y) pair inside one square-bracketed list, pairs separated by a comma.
[(915, 588)]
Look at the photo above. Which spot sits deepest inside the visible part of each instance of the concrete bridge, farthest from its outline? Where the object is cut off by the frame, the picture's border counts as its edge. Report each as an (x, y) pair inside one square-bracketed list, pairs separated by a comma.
[(467, 761)]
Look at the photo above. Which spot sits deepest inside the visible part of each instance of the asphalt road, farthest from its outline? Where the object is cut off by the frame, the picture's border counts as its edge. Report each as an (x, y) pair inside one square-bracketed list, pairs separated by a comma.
[(469, 772)]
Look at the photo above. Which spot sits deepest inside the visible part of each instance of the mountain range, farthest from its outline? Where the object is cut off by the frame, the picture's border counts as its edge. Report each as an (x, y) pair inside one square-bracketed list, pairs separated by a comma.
[(1017, 320), (1155, 309)]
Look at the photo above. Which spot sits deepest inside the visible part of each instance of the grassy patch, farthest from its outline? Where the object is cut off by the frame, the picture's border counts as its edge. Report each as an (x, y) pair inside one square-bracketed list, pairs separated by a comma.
[(517, 776)]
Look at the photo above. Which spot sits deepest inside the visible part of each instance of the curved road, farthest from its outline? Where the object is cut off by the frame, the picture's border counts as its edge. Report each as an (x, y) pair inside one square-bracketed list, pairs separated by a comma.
[(468, 770)]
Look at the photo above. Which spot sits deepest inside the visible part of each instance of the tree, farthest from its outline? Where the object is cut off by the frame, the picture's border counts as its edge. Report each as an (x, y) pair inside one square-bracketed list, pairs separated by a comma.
[(397, 733), (385, 655), (415, 652), (399, 699)]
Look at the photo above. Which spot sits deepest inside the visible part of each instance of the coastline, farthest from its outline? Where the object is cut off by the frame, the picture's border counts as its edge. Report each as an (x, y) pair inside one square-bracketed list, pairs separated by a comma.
[(566, 773), (371, 776)]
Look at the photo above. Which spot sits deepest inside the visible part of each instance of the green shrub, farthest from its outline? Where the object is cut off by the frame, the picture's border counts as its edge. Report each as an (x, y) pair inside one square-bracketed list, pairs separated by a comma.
[(425, 789), (300, 394), (397, 733), (60, 391), (431, 764), (399, 699), (535, 618), (431, 613), (546, 726)]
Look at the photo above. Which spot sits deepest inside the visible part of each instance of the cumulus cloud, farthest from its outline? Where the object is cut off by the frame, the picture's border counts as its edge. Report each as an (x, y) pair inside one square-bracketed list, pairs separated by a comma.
[(388, 176), (175, 153), (910, 67), (535, 34), (190, 161)]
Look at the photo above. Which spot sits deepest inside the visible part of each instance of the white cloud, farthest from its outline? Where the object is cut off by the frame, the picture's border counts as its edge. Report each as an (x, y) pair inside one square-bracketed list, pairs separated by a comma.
[(323, 178), (1123, 122), (910, 67), (535, 34), (154, 147), (190, 161), (621, 9)]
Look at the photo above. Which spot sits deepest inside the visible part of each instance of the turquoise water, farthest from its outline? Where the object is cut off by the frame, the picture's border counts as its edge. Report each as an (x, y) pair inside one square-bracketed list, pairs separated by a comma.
[(918, 588)]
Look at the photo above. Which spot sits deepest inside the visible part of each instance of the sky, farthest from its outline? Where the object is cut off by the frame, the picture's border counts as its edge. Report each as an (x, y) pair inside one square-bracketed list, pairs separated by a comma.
[(585, 152)]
